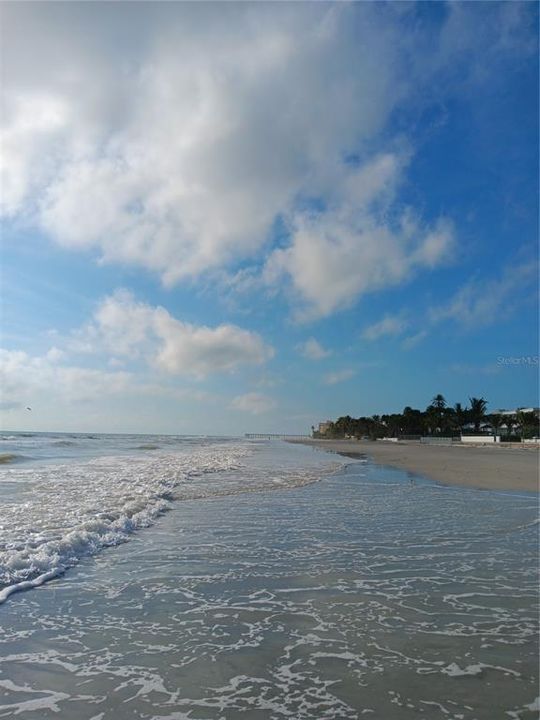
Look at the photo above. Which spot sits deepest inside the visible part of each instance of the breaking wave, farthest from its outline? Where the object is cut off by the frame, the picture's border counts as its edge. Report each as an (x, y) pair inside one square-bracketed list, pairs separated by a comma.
[(76, 510)]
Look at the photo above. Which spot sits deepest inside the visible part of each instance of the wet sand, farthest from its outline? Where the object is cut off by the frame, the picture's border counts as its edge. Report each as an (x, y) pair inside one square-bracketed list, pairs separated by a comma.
[(487, 467)]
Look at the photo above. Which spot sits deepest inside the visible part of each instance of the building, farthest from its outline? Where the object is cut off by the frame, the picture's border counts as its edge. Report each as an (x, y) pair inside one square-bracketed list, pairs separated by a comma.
[(515, 412), (511, 420), (324, 427)]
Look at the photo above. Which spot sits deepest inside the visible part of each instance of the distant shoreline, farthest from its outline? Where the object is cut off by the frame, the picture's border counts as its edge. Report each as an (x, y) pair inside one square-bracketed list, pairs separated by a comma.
[(484, 467)]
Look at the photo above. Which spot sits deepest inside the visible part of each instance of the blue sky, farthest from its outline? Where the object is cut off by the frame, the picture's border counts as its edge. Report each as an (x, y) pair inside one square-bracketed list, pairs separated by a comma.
[(220, 218)]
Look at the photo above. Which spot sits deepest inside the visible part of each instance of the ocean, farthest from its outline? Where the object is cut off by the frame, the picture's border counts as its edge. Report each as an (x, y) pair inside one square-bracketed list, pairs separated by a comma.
[(202, 578)]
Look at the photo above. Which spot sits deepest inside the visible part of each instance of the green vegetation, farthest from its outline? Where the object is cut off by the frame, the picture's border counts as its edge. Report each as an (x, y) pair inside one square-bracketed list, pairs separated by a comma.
[(438, 419)]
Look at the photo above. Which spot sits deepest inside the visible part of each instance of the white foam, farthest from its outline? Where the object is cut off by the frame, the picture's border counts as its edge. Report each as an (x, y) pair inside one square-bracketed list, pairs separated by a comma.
[(70, 511), (529, 707), (454, 670), (47, 700)]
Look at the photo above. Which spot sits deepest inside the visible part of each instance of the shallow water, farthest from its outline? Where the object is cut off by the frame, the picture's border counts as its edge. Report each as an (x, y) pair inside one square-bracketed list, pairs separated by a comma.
[(63, 498), (369, 594)]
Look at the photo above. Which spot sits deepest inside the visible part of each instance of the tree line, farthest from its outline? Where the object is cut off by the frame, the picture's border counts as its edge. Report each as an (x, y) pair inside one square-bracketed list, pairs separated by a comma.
[(438, 419)]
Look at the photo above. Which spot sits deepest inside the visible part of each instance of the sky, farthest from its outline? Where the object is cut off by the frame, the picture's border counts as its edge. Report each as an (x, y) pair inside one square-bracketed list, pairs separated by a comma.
[(221, 218)]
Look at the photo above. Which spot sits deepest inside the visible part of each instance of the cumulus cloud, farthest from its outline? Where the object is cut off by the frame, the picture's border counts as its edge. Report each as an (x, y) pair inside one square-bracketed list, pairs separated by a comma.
[(177, 150), (357, 244), (126, 333), (389, 325), (174, 136), (170, 154), (22, 376), (127, 328), (253, 403), (54, 354), (339, 376), (37, 380), (313, 350)]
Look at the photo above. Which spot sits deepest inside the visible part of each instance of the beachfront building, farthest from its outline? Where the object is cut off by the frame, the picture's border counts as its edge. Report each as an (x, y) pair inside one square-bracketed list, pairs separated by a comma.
[(324, 427), (522, 419), (519, 410)]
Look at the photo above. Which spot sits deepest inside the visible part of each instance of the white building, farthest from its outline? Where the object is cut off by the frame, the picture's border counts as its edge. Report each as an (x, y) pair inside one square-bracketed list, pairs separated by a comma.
[(515, 412)]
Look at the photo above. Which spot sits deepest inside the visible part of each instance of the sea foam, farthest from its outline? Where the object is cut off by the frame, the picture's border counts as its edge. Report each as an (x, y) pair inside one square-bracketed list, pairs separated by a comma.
[(65, 512)]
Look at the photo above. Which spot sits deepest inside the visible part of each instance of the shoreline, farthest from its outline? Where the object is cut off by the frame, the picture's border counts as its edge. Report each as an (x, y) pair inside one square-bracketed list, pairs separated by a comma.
[(482, 467)]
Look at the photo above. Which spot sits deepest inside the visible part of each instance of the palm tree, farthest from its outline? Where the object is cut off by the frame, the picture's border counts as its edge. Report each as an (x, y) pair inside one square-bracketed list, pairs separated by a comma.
[(527, 423), (413, 421), (461, 416), (496, 420), (477, 411), (439, 402), (435, 414)]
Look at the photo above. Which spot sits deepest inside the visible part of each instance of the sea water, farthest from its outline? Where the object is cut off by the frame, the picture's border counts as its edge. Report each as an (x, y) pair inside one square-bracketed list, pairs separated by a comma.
[(178, 578)]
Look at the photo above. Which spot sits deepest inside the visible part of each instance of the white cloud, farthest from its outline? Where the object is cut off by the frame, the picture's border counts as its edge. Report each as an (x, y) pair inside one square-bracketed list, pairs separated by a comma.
[(413, 340), (23, 376), (124, 332), (339, 376), (358, 245), (507, 31), (254, 403), (467, 369), (172, 136), (54, 354), (34, 128), (313, 350), (177, 149), (127, 328), (389, 325), (484, 302), (269, 380), (480, 303), (55, 391)]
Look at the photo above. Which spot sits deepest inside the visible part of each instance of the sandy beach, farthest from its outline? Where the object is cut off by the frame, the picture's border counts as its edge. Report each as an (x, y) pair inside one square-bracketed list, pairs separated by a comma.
[(486, 467)]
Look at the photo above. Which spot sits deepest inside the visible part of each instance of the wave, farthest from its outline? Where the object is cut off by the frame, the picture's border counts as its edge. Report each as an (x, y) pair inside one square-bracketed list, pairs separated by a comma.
[(148, 446), (77, 510), (51, 559)]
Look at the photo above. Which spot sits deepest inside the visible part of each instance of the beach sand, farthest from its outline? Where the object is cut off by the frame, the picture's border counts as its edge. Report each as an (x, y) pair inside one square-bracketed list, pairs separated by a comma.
[(487, 467)]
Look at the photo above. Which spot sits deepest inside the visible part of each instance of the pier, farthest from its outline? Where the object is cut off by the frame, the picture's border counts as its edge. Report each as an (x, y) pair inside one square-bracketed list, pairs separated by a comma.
[(277, 436)]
